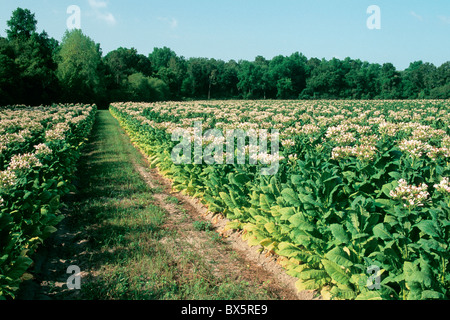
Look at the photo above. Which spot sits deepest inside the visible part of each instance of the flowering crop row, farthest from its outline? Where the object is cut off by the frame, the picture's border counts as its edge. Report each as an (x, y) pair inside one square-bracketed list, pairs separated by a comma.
[(39, 148), (360, 186)]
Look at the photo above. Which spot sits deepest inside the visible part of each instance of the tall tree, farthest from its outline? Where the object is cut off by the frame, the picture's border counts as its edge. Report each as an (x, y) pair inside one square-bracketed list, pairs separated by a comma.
[(390, 82), (170, 68), (146, 89), (418, 80), (22, 24), (120, 64), (124, 62), (79, 68), (9, 74), (33, 57), (442, 82)]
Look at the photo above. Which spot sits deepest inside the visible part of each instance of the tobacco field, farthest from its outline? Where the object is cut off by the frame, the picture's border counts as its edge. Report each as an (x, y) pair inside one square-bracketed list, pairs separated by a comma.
[(359, 207), (39, 150)]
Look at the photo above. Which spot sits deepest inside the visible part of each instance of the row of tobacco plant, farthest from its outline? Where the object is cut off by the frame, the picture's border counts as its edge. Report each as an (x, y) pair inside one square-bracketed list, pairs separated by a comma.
[(39, 150), (360, 205)]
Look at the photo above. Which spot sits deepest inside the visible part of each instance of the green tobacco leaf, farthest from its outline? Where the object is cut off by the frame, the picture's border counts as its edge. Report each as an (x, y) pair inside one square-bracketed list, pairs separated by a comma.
[(264, 202), (381, 232), (386, 189), (307, 285), (274, 189), (299, 222), (288, 250), (312, 279), (428, 227), (296, 180), (369, 295), (233, 225), (413, 274), (270, 227), (226, 198), (339, 233), (286, 213), (383, 203), (396, 175), (241, 178), (433, 295), (20, 266), (290, 197), (432, 244), (336, 272), (340, 257), (343, 292)]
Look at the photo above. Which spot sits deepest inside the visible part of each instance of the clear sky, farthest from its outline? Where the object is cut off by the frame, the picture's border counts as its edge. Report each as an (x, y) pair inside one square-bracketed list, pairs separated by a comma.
[(411, 30)]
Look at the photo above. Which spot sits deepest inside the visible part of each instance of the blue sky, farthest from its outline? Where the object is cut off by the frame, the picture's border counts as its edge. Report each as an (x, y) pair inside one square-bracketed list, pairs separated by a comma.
[(411, 30)]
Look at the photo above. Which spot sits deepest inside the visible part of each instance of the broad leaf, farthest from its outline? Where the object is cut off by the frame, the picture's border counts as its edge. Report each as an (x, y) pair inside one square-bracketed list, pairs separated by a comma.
[(290, 197), (339, 233), (336, 272)]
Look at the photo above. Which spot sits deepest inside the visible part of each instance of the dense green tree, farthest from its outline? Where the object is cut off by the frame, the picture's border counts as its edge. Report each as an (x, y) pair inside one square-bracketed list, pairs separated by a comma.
[(441, 89), (254, 78), (9, 74), (228, 80), (287, 75), (124, 62), (146, 89), (120, 64), (35, 69), (33, 56), (418, 80), (170, 68), (22, 24), (203, 77), (79, 68), (390, 82), (327, 80)]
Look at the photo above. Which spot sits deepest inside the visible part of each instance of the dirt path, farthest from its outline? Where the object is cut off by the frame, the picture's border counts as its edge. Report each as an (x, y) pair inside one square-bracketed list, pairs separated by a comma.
[(250, 263), (224, 255)]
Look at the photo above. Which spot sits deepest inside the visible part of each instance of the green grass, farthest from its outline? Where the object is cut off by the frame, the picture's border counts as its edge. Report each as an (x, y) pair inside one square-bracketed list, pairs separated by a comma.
[(115, 211), (202, 225)]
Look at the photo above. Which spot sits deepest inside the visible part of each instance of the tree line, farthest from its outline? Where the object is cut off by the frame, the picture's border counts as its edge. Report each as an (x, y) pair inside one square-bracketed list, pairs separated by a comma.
[(37, 69)]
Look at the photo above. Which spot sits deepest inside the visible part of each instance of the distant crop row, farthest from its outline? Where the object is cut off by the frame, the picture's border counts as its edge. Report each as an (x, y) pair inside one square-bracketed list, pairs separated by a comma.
[(359, 207), (39, 149)]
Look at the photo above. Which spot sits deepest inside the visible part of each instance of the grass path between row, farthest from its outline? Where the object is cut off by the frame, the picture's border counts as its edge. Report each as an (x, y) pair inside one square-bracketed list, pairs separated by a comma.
[(134, 240)]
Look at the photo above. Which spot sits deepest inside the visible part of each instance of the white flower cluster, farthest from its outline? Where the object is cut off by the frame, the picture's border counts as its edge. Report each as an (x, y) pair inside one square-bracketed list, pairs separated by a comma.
[(341, 135), (309, 129), (388, 128), (446, 142), (425, 133), (413, 195), (435, 153), (415, 148), (23, 161), (214, 140), (43, 149), (267, 158), (10, 138), (58, 132), (288, 142), (362, 152), (443, 186), (7, 179)]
